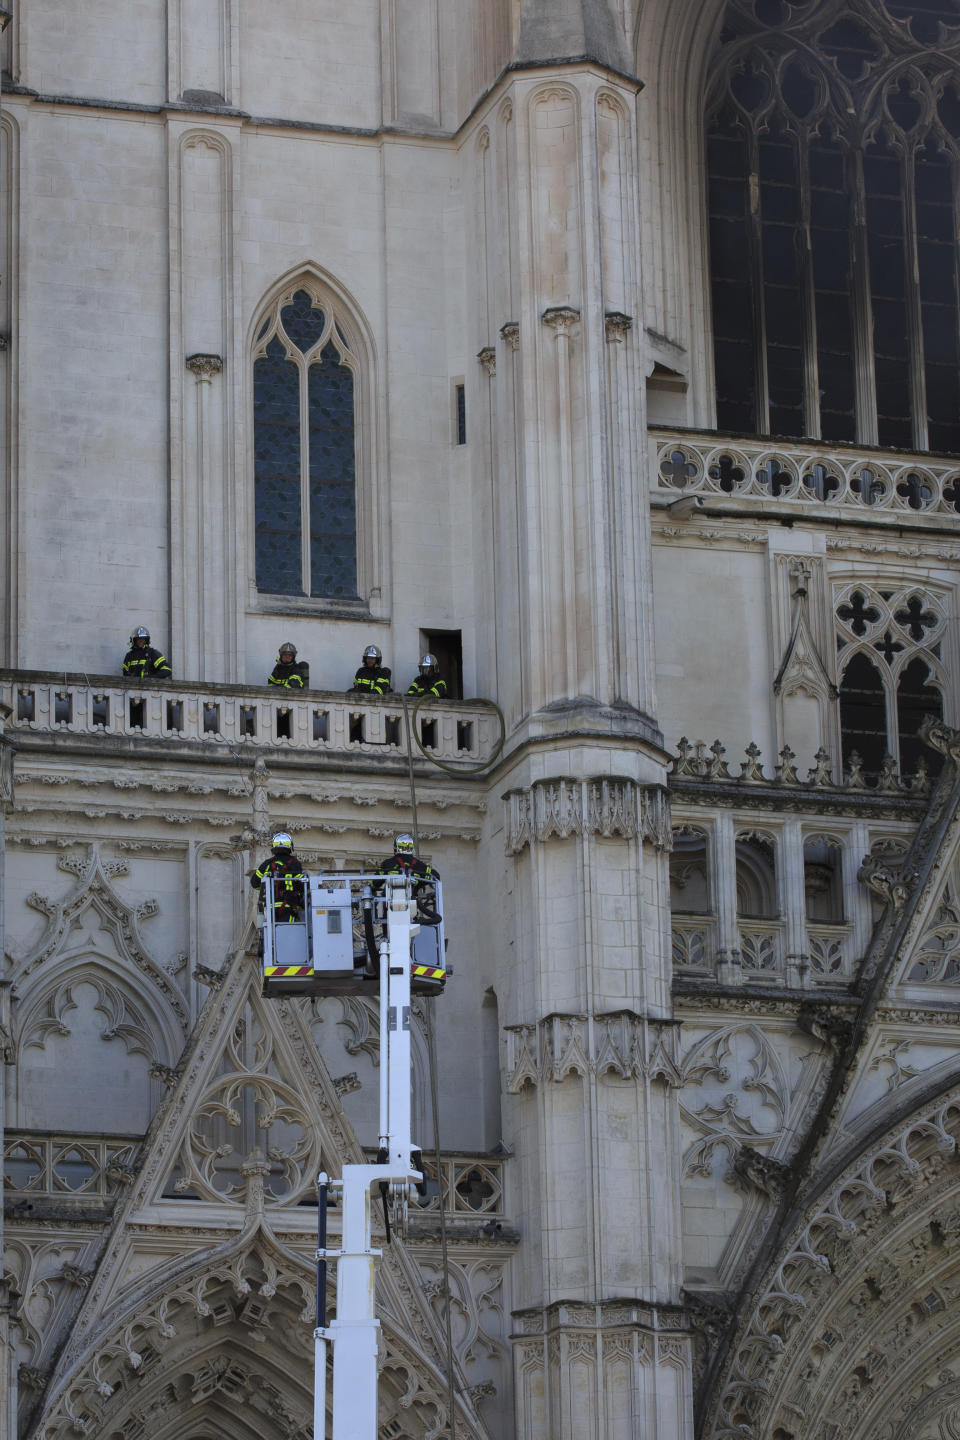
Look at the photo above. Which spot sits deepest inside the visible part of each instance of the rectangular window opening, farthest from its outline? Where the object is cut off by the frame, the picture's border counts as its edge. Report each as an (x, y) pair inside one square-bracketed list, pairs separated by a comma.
[(101, 710), (63, 708), (460, 412), (464, 734), (174, 714), (356, 728), (25, 704), (428, 734), (321, 720), (447, 646), (137, 712), (248, 720), (283, 724), (391, 729), (211, 718)]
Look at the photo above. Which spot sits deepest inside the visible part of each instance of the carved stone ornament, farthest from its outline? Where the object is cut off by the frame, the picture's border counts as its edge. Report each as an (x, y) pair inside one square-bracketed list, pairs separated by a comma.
[(826, 1023), (886, 873), (616, 325), (861, 1286), (761, 1171), (510, 333), (561, 318), (204, 366), (488, 359), (603, 805), (941, 738), (620, 1042)]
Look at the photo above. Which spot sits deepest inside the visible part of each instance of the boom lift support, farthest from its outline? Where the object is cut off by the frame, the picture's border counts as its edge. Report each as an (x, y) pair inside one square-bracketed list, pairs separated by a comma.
[(317, 957)]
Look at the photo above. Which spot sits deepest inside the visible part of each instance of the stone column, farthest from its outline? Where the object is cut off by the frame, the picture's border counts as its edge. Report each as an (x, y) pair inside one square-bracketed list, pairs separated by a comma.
[(204, 594), (560, 231), (590, 1076), (8, 1357)]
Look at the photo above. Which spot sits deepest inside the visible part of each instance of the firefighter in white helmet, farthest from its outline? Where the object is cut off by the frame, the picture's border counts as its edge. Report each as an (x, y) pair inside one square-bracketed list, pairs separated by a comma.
[(286, 872)]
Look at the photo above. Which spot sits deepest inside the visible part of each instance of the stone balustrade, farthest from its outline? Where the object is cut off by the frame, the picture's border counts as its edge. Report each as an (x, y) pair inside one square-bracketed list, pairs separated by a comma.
[(62, 1167), (882, 486), (250, 717)]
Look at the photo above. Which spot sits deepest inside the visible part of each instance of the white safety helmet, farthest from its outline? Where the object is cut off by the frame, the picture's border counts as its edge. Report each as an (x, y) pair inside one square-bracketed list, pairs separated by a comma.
[(287, 645), (281, 841), (372, 653), (141, 633), (403, 845), (428, 664)]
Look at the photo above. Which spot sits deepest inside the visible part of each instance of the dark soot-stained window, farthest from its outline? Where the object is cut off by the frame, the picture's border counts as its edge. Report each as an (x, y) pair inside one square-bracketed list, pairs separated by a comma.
[(833, 154), (304, 452)]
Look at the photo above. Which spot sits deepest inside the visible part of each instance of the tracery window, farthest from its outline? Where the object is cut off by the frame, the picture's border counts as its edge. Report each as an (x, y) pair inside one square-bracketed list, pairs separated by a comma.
[(889, 645), (304, 401), (833, 144)]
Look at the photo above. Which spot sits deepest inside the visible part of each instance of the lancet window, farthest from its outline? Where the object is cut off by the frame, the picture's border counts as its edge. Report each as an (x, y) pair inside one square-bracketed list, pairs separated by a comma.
[(304, 410), (833, 144), (890, 659)]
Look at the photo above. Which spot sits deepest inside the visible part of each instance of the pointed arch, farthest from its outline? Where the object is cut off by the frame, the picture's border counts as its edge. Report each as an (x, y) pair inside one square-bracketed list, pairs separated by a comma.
[(316, 517)]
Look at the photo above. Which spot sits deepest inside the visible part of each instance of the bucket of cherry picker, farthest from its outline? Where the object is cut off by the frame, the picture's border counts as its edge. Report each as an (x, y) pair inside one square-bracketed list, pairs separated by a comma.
[(330, 945)]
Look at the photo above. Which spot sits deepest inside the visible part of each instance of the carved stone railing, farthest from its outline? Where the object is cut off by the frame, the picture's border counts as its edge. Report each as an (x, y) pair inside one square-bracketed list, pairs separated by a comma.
[(251, 717), (471, 1184), (43, 1165), (829, 953), (692, 945), (882, 486), (761, 949)]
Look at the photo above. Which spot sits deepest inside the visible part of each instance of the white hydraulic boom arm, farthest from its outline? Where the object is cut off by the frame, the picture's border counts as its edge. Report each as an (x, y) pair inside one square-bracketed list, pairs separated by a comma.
[(354, 1332)]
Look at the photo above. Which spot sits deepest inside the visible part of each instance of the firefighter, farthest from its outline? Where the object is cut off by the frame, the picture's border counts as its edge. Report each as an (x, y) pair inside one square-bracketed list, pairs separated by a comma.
[(428, 680), (289, 673), (405, 861), (286, 872), (372, 678), (141, 661)]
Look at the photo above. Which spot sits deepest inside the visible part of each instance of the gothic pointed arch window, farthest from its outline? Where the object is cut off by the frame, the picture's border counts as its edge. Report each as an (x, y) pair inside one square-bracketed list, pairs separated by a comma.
[(890, 658), (305, 398), (833, 145)]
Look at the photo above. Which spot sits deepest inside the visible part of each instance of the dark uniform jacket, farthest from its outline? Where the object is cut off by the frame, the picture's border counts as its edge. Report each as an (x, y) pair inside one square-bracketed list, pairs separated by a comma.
[(288, 877), (145, 664), (372, 680), (423, 685), (291, 677), (422, 875)]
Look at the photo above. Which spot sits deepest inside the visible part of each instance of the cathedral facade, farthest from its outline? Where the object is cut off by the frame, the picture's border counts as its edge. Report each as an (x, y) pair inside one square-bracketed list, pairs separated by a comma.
[(609, 351)]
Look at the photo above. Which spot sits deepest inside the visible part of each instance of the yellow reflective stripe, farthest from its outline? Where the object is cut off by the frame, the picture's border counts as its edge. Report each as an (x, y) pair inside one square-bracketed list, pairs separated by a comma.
[(428, 971), (282, 971)]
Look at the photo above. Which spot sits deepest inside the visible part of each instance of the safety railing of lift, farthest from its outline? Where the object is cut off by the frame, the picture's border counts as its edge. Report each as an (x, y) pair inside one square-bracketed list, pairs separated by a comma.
[(881, 485), (248, 717)]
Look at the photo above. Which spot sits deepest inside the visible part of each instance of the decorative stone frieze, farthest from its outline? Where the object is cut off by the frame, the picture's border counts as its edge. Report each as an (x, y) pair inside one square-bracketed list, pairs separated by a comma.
[(602, 805), (620, 1042)]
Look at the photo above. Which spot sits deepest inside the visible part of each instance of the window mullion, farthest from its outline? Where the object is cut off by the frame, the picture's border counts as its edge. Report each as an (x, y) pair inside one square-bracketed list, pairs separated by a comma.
[(917, 375), (865, 386), (755, 249), (808, 311), (304, 479)]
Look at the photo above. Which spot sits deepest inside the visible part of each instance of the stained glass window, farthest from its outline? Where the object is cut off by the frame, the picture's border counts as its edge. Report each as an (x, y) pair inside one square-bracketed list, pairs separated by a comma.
[(833, 154), (305, 451)]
